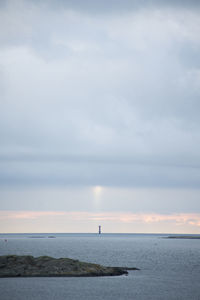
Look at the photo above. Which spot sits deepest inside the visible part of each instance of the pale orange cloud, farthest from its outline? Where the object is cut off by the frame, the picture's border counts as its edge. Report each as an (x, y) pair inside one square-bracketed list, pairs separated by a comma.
[(121, 217), (182, 218), (28, 214)]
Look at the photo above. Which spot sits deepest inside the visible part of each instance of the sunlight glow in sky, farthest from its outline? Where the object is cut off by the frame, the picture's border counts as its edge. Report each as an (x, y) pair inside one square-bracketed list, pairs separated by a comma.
[(99, 116)]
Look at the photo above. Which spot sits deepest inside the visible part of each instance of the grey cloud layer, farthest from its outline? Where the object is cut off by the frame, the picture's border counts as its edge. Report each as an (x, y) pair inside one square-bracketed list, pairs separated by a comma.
[(113, 6), (136, 200), (116, 93)]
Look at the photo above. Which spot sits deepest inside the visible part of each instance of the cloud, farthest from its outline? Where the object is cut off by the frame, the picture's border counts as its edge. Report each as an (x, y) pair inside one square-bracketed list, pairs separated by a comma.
[(50, 221), (93, 96), (100, 199), (29, 214), (178, 219)]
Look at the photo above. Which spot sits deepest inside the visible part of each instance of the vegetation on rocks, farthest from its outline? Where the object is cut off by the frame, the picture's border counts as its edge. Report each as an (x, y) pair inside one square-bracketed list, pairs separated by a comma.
[(45, 266)]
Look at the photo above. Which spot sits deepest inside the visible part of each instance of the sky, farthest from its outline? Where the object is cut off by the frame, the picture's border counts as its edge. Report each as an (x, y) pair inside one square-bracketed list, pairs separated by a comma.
[(99, 116)]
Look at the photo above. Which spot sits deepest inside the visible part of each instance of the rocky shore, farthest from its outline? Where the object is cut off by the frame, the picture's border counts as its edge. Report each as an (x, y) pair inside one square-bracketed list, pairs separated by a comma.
[(45, 266)]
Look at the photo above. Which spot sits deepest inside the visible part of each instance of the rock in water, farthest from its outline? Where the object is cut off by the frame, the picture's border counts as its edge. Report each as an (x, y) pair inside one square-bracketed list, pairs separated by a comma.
[(45, 266)]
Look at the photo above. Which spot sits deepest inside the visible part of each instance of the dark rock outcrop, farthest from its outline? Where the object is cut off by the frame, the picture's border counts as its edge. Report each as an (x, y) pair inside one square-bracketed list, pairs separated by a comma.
[(45, 266)]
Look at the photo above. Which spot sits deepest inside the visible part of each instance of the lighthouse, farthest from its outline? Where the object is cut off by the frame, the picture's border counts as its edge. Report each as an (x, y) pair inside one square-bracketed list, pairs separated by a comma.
[(99, 229)]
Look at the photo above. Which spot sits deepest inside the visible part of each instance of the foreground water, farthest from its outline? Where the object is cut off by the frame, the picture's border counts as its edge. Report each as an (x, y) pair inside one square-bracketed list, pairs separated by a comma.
[(170, 268)]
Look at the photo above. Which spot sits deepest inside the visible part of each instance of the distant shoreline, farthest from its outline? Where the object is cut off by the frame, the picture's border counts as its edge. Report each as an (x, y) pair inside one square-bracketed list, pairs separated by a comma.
[(190, 237)]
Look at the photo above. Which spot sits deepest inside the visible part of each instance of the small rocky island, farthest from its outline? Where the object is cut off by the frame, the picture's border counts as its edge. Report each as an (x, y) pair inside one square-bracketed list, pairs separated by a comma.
[(45, 266)]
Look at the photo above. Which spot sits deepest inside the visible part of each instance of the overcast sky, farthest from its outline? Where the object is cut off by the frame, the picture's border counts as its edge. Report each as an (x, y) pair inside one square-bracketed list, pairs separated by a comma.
[(99, 115)]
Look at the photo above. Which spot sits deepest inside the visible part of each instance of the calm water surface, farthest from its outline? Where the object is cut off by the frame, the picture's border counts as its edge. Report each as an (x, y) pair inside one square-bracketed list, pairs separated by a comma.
[(170, 268)]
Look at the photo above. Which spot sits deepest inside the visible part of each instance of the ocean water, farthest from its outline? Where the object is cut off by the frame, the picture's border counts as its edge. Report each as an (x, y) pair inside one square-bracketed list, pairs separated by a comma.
[(170, 268)]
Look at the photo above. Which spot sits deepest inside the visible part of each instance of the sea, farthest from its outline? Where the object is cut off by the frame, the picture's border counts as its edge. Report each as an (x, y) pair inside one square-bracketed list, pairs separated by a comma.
[(169, 268)]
